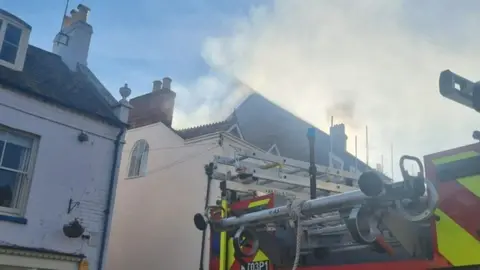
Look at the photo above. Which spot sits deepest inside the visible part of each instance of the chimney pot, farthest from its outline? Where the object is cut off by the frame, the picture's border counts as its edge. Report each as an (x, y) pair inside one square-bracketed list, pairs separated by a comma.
[(80, 14), (167, 83), (157, 85), (83, 8)]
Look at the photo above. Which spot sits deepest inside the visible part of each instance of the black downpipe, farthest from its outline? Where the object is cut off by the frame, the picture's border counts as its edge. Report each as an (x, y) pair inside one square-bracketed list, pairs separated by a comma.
[(209, 172), (313, 167), (109, 198)]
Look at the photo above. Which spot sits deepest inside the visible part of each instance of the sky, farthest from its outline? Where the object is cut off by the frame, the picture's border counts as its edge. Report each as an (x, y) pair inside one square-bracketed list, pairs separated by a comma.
[(369, 62)]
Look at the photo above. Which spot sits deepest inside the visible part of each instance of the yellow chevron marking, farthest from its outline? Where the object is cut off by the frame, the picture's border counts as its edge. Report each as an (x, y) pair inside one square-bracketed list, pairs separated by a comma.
[(231, 253), (456, 157), (260, 256), (456, 244), (258, 203), (471, 183)]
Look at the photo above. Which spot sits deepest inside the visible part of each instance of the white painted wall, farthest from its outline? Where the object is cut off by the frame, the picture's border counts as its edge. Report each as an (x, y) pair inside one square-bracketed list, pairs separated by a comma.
[(64, 169), (153, 217)]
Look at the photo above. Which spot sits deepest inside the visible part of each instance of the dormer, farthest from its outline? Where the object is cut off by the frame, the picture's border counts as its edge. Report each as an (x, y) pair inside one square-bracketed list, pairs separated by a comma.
[(14, 35)]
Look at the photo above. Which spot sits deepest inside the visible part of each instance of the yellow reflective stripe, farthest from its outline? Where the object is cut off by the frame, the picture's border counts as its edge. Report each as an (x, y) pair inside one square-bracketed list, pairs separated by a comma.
[(456, 244), (231, 253), (456, 157), (258, 203), (471, 183), (260, 256), (223, 241)]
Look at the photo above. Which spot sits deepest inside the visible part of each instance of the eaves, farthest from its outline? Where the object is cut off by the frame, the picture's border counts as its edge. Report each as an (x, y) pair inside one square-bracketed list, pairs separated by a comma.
[(25, 91)]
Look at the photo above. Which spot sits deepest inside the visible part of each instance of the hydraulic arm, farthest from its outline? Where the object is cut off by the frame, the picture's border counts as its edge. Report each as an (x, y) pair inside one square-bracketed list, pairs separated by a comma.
[(360, 211)]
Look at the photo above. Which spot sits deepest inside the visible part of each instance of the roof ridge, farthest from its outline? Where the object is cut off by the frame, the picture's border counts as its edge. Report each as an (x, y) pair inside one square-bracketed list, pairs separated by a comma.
[(205, 125)]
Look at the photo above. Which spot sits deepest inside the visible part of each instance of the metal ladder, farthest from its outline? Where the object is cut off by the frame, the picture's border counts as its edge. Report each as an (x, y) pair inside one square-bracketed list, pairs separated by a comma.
[(251, 170)]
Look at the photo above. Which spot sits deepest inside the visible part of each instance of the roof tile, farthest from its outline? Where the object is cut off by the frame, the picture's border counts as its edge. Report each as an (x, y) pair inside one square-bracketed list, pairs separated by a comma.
[(197, 131)]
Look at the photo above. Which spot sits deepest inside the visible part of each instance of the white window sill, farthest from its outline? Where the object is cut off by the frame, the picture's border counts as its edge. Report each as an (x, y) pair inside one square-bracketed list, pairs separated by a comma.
[(8, 217), (135, 177)]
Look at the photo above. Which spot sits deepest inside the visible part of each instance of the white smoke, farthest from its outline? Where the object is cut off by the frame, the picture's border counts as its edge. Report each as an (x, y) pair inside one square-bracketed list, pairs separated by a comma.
[(211, 99), (369, 62)]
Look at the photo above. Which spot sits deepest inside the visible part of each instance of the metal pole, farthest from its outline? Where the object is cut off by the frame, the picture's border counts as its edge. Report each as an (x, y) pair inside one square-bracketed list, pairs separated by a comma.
[(320, 220), (313, 167), (366, 143), (315, 206), (356, 157), (223, 261), (382, 163), (369, 185), (391, 159), (330, 155)]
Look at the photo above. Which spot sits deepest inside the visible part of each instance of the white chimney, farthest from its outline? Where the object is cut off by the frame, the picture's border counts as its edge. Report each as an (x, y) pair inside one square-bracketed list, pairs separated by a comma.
[(73, 41), (166, 83)]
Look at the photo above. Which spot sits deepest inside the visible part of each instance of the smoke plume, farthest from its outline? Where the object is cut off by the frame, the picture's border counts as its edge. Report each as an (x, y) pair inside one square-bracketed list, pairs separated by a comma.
[(369, 62)]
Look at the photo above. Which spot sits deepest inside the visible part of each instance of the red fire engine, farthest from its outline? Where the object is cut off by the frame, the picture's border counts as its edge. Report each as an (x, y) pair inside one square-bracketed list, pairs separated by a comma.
[(274, 214)]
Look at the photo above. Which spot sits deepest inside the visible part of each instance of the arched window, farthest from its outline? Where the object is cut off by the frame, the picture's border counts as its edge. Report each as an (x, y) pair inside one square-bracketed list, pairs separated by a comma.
[(138, 159)]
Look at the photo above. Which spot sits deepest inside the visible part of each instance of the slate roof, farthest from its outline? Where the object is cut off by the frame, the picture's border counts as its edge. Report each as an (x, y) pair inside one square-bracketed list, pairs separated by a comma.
[(45, 76), (262, 123)]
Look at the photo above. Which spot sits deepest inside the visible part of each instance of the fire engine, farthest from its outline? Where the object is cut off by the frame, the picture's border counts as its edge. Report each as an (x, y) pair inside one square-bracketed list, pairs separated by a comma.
[(279, 213)]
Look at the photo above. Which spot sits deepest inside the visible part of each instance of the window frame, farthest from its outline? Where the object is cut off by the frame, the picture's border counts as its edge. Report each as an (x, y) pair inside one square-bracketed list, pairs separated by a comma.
[(5, 21), (334, 158), (16, 46), (143, 164), (27, 183)]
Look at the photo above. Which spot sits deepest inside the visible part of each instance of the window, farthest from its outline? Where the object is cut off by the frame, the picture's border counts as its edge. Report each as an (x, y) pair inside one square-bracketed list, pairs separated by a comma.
[(138, 159), (15, 168), (335, 161), (11, 42)]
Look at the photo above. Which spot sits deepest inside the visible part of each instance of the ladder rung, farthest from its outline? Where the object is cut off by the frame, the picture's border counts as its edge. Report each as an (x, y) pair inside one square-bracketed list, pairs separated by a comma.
[(293, 163)]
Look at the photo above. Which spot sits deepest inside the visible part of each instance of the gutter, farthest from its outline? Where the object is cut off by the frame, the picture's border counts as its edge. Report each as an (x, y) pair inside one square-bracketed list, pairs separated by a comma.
[(111, 190)]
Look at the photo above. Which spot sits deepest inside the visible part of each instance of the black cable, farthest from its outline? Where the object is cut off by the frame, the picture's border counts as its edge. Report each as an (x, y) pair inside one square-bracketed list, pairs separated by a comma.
[(180, 161), (172, 147), (209, 172)]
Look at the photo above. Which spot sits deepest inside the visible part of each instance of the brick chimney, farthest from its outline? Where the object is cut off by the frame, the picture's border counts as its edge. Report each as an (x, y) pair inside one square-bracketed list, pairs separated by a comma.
[(338, 138), (72, 43), (154, 107)]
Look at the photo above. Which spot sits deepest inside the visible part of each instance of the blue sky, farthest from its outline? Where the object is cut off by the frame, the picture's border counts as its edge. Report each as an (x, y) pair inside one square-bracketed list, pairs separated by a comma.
[(138, 41)]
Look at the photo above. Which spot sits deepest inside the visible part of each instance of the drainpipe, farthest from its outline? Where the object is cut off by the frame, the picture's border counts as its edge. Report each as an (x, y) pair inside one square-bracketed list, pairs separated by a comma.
[(111, 187)]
